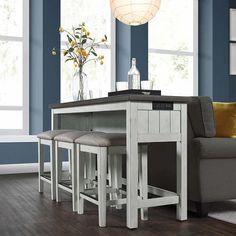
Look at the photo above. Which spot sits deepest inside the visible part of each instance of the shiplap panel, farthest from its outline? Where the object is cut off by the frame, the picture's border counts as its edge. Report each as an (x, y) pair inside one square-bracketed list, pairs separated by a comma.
[(145, 106), (177, 107), (164, 121), (142, 122), (154, 122), (175, 121)]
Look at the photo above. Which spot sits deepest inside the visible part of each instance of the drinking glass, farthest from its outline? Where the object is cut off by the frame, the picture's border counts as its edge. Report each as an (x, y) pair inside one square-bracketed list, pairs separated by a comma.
[(146, 85), (121, 85)]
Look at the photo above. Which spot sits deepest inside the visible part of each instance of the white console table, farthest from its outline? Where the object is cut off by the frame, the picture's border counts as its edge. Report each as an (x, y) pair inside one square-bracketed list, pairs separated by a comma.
[(145, 119)]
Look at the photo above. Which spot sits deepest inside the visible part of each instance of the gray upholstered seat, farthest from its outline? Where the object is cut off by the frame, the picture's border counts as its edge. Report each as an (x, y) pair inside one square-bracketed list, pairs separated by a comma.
[(101, 139), (214, 148), (70, 137), (50, 134)]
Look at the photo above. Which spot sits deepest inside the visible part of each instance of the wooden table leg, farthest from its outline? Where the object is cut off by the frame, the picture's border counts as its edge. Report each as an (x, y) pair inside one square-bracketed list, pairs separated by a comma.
[(182, 167), (132, 166)]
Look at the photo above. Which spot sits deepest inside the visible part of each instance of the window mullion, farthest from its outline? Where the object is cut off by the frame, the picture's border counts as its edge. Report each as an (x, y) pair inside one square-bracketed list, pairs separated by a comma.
[(171, 52), (11, 38), (26, 66), (11, 108)]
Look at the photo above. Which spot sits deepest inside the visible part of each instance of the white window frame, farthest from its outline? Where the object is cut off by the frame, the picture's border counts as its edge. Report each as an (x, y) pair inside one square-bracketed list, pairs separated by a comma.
[(25, 107), (194, 54), (111, 47)]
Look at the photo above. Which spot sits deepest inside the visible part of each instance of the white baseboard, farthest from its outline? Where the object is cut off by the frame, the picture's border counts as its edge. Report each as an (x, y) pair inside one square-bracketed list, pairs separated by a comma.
[(26, 168)]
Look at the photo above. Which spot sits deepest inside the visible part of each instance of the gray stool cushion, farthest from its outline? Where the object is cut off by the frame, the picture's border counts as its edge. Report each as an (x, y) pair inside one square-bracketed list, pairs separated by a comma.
[(101, 139), (71, 136), (50, 134)]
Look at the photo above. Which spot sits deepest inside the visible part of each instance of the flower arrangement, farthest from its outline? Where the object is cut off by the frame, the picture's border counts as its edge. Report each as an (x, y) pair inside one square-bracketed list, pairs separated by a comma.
[(80, 49), (80, 46)]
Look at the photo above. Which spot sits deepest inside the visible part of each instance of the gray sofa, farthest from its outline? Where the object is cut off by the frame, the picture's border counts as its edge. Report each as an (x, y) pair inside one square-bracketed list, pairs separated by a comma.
[(211, 160)]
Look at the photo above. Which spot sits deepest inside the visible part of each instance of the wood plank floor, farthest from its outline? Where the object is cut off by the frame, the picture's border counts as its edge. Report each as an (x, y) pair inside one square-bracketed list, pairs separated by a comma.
[(23, 211)]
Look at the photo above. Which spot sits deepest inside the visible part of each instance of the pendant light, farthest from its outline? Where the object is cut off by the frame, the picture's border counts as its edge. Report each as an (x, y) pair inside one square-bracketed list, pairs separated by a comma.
[(134, 12)]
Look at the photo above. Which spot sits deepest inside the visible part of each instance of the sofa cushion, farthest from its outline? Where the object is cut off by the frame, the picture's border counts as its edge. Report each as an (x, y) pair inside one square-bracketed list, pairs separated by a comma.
[(214, 148), (201, 115), (225, 117)]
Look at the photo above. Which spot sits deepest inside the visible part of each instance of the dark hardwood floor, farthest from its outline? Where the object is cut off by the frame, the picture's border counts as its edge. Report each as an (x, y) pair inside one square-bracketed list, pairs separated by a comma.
[(23, 211)]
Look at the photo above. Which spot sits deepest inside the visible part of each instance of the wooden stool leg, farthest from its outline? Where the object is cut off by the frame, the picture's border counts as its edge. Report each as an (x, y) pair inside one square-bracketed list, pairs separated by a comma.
[(90, 169), (102, 176), (70, 163), (41, 165), (117, 177), (143, 178), (58, 171), (80, 179), (110, 162), (53, 170), (74, 178)]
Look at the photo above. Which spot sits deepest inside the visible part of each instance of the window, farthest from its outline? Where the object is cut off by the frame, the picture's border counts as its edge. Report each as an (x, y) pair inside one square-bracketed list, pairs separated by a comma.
[(98, 20), (173, 48), (14, 67)]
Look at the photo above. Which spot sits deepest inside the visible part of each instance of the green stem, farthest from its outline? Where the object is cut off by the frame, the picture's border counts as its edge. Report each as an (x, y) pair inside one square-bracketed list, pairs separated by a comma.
[(71, 35)]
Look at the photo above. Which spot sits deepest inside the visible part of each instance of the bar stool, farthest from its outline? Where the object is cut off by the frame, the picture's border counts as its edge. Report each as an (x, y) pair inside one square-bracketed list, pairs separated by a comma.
[(47, 139), (66, 141), (104, 145)]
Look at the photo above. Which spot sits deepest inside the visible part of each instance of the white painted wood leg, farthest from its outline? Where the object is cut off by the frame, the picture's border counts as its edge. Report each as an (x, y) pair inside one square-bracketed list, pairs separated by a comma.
[(182, 167), (80, 179), (90, 169), (117, 176), (86, 185), (41, 165), (53, 170), (102, 176), (113, 177), (74, 178), (58, 172), (132, 166), (93, 168), (110, 168), (70, 163), (143, 178), (181, 185)]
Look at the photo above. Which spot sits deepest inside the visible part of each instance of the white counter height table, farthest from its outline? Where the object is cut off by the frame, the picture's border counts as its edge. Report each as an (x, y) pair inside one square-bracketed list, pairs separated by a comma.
[(144, 119)]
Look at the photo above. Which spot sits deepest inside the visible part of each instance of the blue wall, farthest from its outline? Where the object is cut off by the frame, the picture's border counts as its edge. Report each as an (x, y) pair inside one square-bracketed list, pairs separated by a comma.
[(51, 64), (36, 66), (206, 48), (44, 68), (131, 42), (18, 153), (214, 78)]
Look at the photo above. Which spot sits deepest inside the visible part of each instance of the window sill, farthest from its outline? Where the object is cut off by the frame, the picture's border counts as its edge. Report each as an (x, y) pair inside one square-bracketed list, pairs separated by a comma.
[(18, 139)]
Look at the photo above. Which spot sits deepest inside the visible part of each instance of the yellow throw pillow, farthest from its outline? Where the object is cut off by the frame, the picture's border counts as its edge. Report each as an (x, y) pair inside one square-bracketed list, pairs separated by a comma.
[(225, 119)]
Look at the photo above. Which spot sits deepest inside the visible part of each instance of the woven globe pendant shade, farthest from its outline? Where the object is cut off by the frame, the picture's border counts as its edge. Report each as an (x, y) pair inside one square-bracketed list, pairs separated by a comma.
[(134, 12)]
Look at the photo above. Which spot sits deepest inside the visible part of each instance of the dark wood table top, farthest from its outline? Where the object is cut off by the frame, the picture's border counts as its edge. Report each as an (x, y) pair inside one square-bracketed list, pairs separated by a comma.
[(122, 98)]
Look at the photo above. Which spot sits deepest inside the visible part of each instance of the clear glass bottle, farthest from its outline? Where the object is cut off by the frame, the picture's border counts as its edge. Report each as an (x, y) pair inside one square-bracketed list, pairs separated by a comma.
[(133, 76), (79, 86)]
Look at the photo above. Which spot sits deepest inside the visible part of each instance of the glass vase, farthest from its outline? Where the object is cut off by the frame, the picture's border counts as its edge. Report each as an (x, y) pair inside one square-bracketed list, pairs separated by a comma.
[(79, 86)]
